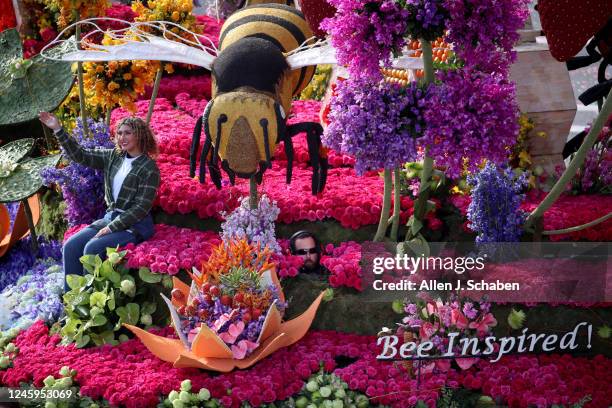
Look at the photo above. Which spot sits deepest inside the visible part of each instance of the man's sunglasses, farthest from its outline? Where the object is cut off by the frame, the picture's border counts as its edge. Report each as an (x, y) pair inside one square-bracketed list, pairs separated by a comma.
[(306, 251)]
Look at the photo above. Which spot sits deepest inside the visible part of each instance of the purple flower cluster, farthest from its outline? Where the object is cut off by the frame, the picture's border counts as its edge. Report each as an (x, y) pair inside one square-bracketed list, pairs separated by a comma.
[(82, 187), (483, 32), (426, 19), (257, 225), (366, 33), (37, 295), (471, 116), (12, 211), (20, 259), (494, 212), (377, 123)]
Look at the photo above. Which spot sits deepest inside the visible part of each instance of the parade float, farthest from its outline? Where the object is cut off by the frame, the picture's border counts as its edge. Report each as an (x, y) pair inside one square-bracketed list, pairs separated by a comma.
[(424, 123)]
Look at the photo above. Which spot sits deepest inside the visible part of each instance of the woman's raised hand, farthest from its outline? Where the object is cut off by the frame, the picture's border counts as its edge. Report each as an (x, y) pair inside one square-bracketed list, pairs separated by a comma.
[(50, 120)]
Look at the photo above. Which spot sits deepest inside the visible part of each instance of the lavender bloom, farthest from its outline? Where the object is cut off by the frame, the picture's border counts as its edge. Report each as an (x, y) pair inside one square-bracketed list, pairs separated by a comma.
[(20, 259), (483, 32), (257, 225), (37, 295), (82, 187), (426, 19), (365, 33), (494, 212), (377, 123), (471, 117)]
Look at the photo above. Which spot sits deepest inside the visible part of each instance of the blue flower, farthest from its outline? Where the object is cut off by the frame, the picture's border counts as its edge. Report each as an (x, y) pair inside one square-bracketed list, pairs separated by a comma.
[(494, 212)]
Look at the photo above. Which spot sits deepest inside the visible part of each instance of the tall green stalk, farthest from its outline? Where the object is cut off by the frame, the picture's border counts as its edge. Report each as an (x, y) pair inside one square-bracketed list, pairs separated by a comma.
[(253, 193), (575, 164), (81, 85), (396, 204), (158, 77), (415, 223), (386, 207)]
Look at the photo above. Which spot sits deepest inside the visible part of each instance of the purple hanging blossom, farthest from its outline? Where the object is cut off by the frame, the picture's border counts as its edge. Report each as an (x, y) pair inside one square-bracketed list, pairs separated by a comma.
[(483, 32), (426, 18), (82, 187), (377, 123), (471, 117), (366, 33)]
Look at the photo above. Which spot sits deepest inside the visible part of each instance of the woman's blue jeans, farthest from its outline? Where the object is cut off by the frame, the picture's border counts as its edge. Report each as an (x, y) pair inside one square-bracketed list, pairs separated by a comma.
[(84, 243)]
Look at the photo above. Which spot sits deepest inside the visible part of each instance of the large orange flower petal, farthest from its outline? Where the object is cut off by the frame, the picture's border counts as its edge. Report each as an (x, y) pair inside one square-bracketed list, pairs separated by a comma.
[(209, 351), (208, 344), (164, 348)]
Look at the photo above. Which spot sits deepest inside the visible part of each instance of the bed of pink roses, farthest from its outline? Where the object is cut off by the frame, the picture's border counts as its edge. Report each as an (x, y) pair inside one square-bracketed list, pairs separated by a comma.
[(351, 200), (173, 248), (567, 211), (129, 375)]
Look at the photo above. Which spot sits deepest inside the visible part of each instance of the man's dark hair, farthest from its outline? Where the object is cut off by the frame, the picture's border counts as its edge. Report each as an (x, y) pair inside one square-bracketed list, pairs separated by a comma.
[(301, 235)]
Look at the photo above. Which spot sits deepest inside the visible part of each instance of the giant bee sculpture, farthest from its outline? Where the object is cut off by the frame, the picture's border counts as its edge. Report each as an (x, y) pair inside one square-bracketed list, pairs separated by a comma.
[(266, 56), (253, 86)]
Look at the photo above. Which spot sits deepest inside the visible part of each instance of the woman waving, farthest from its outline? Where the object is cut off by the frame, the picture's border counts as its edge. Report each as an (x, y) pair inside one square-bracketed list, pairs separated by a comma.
[(131, 179)]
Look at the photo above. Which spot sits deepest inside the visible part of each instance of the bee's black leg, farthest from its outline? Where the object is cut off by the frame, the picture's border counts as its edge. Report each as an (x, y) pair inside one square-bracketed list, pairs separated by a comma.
[(215, 173), (230, 173), (203, 158), (213, 165), (195, 143)]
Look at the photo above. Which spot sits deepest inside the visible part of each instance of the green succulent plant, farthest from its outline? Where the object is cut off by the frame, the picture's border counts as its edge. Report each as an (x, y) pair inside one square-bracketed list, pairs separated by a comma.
[(20, 175), (29, 86)]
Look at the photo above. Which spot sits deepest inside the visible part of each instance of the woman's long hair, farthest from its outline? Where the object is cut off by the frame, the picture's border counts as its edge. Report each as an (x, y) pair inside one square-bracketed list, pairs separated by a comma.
[(144, 135)]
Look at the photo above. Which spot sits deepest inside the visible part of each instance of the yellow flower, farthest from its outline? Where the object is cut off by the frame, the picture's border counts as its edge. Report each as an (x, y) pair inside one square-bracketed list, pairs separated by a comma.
[(175, 16), (112, 85), (524, 158), (127, 76)]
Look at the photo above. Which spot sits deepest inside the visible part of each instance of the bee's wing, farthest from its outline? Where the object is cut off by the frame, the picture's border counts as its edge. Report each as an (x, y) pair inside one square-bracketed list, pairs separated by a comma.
[(136, 42), (322, 52)]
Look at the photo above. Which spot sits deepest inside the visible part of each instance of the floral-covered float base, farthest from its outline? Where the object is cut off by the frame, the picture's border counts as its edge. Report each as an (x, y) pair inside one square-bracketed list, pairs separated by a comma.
[(209, 350)]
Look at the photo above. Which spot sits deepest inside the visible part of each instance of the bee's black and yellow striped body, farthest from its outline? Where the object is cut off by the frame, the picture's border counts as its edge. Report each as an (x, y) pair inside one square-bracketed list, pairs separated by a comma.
[(281, 25), (252, 90)]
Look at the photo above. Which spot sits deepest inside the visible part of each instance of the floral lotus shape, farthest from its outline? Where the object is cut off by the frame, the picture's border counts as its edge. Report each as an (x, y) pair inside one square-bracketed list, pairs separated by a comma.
[(209, 351)]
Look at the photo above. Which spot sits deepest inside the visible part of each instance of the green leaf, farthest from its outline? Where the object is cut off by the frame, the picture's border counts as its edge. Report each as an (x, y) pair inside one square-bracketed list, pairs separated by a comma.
[(115, 278), (81, 298), (97, 299), (70, 327), (148, 308), (82, 341), (105, 270), (417, 246), (430, 206), (75, 281), (99, 320), (25, 180), (111, 300), (82, 311), (43, 88), (415, 225), (147, 276), (129, 313)]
